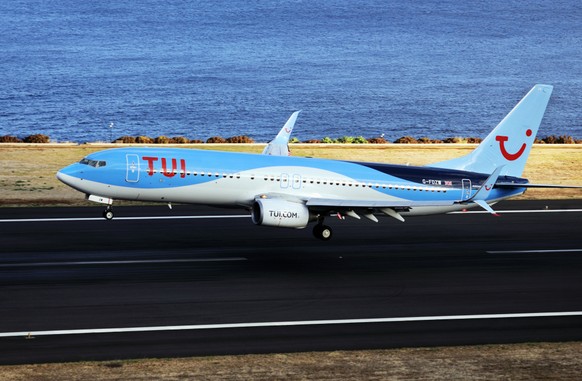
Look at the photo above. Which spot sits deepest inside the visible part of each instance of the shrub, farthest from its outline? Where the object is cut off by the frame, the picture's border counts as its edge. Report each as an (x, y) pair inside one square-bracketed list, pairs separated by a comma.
[(406, 140), (345, 140), (162, 140), (294, 140), (360, 140), (196, 141), (240, 139), (37, 138), (10, 139), (216, 139), (474, 140), (425, 140), (180, 140), (312, 141), (125, 140), (144, 140), (563, 139), (378, 140), (328, 140), (454, 140)]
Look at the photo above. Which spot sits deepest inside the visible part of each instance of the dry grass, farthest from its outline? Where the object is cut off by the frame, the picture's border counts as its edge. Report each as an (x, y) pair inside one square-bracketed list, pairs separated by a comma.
[(28, 171), (488, 362)]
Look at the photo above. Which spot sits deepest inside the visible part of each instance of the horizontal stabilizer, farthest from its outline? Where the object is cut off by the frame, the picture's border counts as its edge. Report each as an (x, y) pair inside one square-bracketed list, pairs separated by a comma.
[(528, 185), (485, 206)]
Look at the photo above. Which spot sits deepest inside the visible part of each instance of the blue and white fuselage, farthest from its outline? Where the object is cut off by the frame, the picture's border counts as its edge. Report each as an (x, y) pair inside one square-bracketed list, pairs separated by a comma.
[(237, 179), (293, 191)]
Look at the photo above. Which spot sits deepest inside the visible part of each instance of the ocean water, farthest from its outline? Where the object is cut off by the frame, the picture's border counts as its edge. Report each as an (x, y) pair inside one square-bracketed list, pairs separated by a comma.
[(70, 69)]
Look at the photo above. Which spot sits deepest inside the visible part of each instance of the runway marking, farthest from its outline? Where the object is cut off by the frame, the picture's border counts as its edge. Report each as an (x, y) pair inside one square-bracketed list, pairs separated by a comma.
[(289, 324), (74, 219), (519, 211), (535, 251), (121, 218), (127, 262)]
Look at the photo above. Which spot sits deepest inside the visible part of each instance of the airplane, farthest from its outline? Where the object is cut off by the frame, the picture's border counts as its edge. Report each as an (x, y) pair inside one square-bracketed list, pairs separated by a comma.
[(291, 192)]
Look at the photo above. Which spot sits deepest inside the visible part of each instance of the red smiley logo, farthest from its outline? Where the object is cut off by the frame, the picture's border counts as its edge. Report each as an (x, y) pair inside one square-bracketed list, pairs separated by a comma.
[(511, 156)]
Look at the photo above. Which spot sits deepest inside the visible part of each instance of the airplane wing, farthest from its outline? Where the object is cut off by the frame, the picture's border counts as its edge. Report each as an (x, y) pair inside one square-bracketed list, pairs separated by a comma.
[(342, 203), (280, 145), (367, 207), (391, 208)]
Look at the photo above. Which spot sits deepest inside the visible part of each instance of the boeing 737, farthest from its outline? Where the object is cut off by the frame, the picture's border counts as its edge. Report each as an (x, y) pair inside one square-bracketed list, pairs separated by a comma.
[(292, 192)]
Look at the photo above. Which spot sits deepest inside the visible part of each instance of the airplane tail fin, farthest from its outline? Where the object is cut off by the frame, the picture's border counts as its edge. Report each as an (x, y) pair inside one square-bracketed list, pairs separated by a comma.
[(509, 144)]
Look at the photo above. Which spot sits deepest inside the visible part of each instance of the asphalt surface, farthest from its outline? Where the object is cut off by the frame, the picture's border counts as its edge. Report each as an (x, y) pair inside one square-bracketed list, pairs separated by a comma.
[(72, 272)]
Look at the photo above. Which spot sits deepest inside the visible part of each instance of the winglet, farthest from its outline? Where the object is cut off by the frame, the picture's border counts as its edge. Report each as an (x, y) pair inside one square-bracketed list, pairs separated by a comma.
[(487, 186), (280, 145), (481, 195)]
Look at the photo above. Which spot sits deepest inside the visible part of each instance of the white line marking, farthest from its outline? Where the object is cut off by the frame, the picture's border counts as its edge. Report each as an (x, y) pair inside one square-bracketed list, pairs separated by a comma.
[(248, 216), (535, 251), (128, 262), (520, 211), (289, 324), (122, 218)]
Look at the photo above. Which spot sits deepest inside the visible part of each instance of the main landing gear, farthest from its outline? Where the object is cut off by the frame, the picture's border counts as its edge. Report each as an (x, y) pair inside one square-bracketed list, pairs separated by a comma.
[(321, 231), (108, 213)]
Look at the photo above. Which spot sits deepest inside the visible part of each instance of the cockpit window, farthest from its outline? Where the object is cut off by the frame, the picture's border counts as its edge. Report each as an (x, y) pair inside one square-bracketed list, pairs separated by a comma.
[(93, 163)]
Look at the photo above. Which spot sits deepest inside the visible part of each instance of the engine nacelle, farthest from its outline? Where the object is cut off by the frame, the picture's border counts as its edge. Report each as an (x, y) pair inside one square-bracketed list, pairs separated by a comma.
[(280, 213)]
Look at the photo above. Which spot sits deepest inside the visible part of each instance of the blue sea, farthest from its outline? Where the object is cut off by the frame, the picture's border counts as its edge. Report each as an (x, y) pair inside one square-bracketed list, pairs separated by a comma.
[(439, 68)]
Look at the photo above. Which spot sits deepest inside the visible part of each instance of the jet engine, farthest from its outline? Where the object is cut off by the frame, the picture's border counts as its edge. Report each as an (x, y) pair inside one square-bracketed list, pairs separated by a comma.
[(280, 213)]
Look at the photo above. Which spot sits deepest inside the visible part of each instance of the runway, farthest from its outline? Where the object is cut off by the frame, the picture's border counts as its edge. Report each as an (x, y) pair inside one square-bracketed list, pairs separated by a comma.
[(192, 280)]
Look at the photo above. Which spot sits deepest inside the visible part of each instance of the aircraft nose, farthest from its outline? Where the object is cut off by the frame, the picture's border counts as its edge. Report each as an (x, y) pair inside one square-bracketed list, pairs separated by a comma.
[(69, 175), (61, 175)]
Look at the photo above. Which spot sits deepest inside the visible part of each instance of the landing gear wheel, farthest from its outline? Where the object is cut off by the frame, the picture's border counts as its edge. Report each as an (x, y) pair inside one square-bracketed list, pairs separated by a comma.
[(322, 232), (108, 214)]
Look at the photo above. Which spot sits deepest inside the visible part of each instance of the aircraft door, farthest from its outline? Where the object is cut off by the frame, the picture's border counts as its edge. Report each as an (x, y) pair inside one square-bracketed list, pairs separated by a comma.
[(466, 191), (132, 172)]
